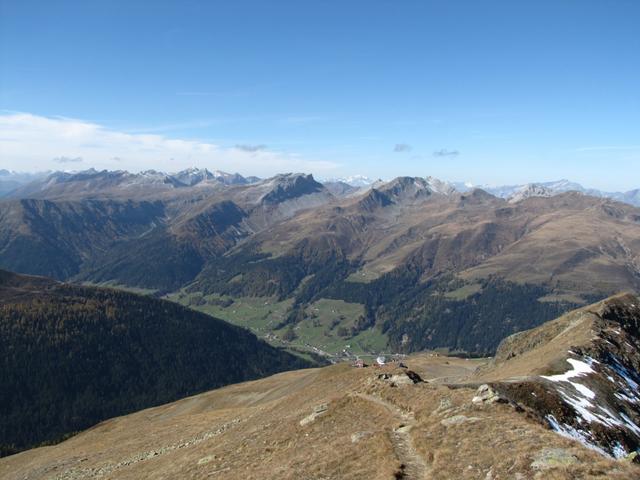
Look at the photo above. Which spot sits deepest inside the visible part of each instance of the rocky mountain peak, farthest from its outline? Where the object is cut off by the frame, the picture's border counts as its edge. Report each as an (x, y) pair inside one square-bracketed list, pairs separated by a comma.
[(192, 176), (288, 186), (406, 189), (475, 196), (530, 190)]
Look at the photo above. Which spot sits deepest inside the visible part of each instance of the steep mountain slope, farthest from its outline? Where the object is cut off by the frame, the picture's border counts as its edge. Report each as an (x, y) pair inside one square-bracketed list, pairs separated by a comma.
[(72, 356), (56, 238), (580, 374), (168, 257), (406, 221), (161, 243), (386, 422), (199, 234), (573, 242)]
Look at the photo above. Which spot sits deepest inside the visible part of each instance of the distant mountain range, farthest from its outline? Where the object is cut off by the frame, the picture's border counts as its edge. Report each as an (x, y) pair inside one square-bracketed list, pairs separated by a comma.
[(19, 185), (516, 192), (104, 182), (10, 181), (330, 266), (513, 192)]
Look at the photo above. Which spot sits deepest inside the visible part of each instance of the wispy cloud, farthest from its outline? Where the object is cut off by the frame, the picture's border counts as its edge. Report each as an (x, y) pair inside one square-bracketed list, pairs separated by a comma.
[(402, 147), (67, 159), (446, 153), (251, 148), (32, 142)]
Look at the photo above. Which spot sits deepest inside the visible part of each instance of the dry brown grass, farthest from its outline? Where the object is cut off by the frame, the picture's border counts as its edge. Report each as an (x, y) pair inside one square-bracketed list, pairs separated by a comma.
[(252, 431)]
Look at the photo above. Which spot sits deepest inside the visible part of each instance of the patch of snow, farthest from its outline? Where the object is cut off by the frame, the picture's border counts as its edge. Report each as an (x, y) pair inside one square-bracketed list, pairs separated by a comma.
[(355, 180), (619, 451), (583, 390), (630, 424), (626, 398), (440, 186), (625, 374), (580, 368), (571, 433)]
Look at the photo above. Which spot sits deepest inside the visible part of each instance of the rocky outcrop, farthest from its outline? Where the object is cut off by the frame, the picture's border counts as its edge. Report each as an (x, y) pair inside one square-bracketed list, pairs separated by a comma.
[(318, 411), (401, 377), (486, 394)]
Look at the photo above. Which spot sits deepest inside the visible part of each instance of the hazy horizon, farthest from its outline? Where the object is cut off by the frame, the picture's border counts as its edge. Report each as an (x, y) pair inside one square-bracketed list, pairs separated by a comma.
[(467, 183)]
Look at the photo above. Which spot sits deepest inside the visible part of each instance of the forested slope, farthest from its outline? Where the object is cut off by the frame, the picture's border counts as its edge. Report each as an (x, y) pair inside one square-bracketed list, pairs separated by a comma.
[(72, 356)]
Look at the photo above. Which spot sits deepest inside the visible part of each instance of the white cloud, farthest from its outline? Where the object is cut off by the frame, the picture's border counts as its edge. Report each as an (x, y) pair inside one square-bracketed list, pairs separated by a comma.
[(32, 142)]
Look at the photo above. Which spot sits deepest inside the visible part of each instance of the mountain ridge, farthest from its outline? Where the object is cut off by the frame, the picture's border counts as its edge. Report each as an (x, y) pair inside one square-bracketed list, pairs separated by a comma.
[(13, 184)]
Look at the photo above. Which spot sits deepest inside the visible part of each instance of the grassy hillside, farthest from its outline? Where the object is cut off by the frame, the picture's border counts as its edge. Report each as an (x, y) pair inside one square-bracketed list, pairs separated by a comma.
[(72, 356)]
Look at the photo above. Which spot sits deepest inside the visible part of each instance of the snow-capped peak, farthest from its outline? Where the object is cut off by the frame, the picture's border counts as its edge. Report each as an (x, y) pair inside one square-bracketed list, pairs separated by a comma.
[(355, 180), (439, 186), (530, 190)]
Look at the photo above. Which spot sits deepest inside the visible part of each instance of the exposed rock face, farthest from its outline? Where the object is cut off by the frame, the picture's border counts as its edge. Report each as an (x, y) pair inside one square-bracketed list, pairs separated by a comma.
[(286, 187), (486, 394), (359, 436), (406, 189), (458, 420), (590, 391), (403, 377), (318, 411), (552, 458)]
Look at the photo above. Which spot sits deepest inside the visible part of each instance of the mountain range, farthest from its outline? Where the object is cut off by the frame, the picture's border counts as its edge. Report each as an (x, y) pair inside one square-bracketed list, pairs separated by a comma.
[(11, 183), (631, 197), (402, 265), (513, 192)]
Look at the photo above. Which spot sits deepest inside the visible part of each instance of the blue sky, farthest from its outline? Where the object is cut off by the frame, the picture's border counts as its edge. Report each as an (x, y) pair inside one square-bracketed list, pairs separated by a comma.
[(483, 91)]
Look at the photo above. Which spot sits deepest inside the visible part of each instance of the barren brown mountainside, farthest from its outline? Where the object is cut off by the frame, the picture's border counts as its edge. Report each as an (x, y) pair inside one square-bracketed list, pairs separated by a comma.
[(436, 419)]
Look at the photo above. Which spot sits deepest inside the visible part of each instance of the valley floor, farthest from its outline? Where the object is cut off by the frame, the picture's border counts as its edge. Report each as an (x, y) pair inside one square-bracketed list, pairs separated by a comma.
[(337, 422)]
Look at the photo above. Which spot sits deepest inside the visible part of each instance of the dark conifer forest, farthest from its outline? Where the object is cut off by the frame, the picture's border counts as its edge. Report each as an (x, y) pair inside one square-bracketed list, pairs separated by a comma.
[(72, 356)]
